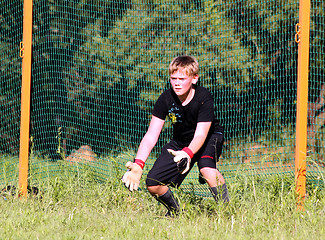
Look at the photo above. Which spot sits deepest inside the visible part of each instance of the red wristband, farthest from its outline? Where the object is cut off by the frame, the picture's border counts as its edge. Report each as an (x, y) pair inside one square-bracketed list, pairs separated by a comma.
[(188, 151), (139, 162)]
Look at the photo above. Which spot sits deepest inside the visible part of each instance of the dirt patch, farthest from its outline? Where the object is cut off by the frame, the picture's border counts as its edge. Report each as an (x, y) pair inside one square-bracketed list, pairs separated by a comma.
[(83, 154)]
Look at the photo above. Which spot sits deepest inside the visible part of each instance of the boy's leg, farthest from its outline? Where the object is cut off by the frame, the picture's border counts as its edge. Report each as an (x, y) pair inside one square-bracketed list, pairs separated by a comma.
[(211, 152), (220, 191), (212, 176), (165, 196), (164, 173), (216, 182), (157, 190)]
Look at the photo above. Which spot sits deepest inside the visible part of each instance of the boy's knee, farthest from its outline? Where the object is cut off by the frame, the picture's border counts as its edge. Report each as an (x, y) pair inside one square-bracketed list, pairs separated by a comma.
[(207, 170), (150, 188), (157, 190), (212, 176)]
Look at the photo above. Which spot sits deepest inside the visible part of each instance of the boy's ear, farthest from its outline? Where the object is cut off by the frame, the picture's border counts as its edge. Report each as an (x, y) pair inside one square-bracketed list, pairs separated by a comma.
[(195, 79)]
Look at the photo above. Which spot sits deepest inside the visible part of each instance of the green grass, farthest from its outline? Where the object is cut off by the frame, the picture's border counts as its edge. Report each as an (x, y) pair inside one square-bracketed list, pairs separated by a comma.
[(77, 203)]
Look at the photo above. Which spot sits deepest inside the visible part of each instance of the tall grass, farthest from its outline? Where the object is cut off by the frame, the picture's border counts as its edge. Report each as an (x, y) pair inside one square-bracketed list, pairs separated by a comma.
[(77, 204)]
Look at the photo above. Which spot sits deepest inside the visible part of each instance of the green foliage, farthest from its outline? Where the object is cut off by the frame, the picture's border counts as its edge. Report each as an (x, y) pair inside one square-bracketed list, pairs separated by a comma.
[(99, 66), (10, 74), (317, 46), (135, 54)]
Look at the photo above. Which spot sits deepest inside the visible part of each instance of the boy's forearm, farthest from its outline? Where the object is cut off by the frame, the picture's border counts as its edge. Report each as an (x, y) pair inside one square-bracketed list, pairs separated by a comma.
[(200, 135), (145, 148), (197, 143)]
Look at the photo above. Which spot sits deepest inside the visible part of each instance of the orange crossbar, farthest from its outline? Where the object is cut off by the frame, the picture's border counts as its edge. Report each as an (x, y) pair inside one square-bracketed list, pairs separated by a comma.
[(302, 101), (26, 54)]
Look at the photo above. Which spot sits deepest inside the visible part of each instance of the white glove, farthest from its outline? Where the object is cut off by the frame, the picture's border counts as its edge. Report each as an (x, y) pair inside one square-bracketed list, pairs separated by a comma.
[(182, 159), (131, 178)]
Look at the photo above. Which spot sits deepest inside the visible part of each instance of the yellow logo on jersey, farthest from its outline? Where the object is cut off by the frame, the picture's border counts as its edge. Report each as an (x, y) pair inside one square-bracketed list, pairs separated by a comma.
[(172, 117)]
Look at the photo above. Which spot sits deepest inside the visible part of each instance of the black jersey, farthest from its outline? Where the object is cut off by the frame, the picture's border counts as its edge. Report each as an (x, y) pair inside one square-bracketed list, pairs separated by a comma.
[(185, 118)]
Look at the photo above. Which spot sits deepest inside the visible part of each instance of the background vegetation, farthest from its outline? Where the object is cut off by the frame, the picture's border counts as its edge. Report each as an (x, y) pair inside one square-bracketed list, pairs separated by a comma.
[(98, 66)]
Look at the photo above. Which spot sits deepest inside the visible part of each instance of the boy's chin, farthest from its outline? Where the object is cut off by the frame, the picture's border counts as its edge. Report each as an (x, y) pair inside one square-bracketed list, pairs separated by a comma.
[(178, 92)]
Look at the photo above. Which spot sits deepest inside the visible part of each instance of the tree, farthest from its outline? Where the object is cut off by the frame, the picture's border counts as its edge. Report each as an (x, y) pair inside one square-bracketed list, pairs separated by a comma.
[(10, 75)]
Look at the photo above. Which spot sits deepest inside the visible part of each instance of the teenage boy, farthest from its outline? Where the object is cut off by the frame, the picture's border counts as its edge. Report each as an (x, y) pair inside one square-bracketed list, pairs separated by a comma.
[(197, 138)]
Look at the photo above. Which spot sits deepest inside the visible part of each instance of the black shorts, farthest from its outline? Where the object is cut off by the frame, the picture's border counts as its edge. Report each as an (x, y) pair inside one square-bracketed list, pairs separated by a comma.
[(164, 170)]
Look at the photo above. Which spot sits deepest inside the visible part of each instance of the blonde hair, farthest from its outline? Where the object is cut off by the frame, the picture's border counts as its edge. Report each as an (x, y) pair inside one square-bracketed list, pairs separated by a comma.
[(187, 63)]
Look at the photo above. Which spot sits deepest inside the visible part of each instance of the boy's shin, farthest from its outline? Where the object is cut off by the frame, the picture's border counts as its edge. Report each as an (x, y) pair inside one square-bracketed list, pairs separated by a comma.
[(220, 192), (169, 201)]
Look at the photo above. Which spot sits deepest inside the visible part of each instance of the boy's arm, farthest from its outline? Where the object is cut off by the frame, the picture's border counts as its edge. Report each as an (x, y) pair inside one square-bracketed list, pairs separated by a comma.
[(201, 133), (150, 138), (131, 178)]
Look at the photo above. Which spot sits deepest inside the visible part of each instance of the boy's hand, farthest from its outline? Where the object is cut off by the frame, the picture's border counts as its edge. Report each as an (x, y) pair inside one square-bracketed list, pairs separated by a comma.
[(131, 178), (182, 158)]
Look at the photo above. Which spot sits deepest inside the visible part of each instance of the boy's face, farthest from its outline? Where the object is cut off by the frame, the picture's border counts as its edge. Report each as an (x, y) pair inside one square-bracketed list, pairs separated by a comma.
[(182, 83)]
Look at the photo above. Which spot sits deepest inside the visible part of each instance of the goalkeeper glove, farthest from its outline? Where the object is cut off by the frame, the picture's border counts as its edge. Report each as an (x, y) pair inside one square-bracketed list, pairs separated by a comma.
[(182, 158), (131, 178)]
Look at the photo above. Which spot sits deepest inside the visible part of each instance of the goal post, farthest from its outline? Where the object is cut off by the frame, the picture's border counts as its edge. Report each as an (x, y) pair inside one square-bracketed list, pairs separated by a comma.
[(302, 37), (26, 55)]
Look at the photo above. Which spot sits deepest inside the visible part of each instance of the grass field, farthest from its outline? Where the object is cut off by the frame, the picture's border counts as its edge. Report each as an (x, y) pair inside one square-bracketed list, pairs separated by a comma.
[(76, 205)]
